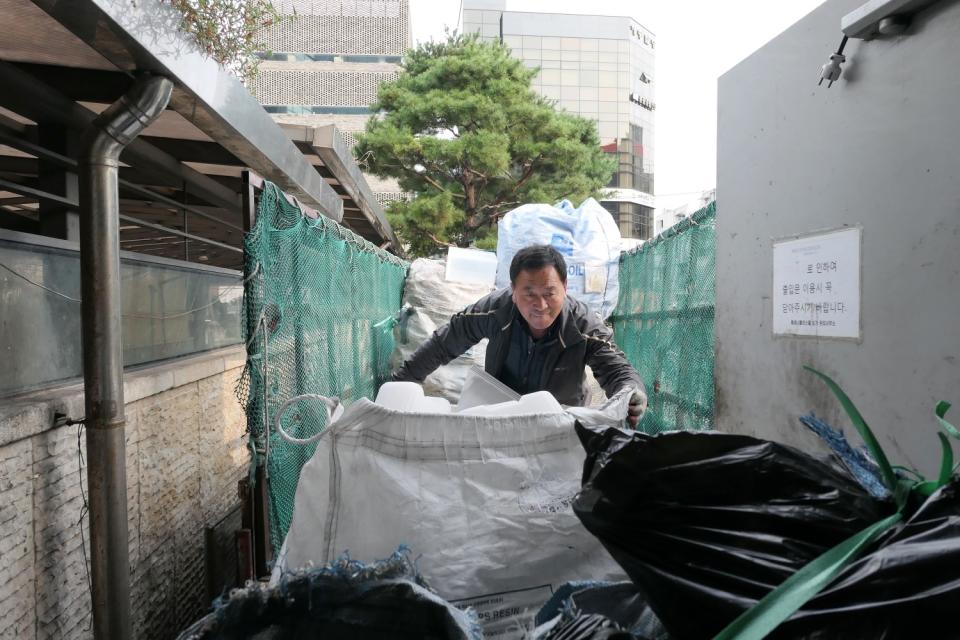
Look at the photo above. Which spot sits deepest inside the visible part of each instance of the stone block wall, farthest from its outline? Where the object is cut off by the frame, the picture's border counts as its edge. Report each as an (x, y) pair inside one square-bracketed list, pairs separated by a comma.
[(186, 451)]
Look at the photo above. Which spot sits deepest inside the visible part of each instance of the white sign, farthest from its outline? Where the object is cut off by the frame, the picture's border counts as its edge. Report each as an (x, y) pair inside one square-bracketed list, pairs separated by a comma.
[(816, 285)]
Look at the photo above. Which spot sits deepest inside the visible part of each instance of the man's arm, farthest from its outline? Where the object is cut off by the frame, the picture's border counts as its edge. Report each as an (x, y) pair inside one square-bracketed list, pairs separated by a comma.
[(613, 371), (464, 330)]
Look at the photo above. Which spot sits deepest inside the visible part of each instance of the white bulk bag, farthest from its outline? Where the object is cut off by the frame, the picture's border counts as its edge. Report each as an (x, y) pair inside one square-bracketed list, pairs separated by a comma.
[(588, 238), (483, 500)]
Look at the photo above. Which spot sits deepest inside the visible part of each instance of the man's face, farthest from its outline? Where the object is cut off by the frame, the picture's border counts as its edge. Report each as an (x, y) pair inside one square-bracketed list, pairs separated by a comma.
[(539, 295)]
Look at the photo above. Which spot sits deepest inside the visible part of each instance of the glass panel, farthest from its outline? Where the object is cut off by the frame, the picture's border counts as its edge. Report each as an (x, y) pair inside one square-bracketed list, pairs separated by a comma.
[(168, 311), (491, 17), (550, 76), (589, 79), (570, 44), (570, 56), (531, 42), (550, 54), (607, 45), (608, 131), (588, 56), (570, 94), (550, 64), (514, 42), (568, 78), (608, 79), (588, 93), (551, 43), (551, 92), (531, 54), (588, 44)]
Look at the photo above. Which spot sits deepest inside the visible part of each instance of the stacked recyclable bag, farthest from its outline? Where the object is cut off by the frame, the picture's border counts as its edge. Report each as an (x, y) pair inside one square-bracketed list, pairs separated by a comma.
[(586, 236)]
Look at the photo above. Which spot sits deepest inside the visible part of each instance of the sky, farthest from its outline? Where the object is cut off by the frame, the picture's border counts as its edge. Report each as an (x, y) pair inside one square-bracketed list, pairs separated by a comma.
[(697, 41)]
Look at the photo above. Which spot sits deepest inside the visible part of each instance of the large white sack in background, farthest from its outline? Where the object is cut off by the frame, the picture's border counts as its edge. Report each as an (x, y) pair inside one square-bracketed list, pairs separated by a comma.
[(484, 501), (588, 238), (433, 300)]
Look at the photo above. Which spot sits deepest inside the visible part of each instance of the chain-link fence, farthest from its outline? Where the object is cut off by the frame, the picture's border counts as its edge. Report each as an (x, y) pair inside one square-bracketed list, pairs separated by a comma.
[(664, 322), (319, 307)]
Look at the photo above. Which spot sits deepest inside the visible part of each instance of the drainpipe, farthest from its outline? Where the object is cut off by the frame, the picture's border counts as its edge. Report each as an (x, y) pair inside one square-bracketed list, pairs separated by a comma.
[(105, 422)]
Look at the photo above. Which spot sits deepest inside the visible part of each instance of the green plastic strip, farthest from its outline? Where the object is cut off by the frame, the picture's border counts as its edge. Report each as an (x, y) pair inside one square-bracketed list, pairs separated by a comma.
[(942, 407), (785, 600)]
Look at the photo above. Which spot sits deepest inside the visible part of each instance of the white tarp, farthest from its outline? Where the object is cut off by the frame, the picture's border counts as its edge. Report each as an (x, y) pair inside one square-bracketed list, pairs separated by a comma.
[(588, 238), (484, 500)]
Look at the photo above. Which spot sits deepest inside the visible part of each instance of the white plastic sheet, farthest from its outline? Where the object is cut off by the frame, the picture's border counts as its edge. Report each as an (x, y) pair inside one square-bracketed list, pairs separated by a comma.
[(433, 300), (484, 499), (588, 238)]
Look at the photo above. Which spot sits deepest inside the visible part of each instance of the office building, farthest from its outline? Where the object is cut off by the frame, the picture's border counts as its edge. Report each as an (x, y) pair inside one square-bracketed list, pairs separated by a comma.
[(325, 60), (601, 68)]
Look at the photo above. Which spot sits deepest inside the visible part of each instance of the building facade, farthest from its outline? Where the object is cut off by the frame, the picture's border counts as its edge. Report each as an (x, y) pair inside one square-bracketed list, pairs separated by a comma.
[(325, 60), (598, 67)]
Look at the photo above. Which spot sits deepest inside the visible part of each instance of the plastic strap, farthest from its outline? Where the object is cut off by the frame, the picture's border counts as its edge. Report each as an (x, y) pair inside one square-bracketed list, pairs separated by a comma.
[(785, 600)]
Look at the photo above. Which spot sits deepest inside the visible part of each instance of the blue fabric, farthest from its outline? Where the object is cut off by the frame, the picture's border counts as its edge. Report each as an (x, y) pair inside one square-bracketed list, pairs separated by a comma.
[(860, 465)]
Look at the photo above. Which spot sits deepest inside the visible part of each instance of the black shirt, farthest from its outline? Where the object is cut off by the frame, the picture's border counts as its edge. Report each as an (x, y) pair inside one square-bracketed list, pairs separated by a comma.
[(523, 370)]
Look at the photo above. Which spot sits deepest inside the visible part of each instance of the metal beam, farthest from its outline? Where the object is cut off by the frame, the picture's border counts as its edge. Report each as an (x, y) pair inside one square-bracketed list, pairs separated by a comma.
[(69, 163), (30, 97), (181, 234), (138, 36), (328, 145)]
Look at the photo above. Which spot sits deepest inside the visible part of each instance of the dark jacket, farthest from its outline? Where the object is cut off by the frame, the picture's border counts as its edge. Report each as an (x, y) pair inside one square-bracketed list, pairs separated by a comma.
[(583, 339)]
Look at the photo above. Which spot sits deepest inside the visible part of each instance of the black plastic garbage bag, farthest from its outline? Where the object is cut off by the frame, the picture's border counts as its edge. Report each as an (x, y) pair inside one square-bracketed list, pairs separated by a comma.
[(345, 600), (706, 524)]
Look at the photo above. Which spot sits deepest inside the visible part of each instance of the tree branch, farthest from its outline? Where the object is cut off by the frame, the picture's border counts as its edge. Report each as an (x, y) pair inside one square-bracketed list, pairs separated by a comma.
[(436, 239), (434, 183)]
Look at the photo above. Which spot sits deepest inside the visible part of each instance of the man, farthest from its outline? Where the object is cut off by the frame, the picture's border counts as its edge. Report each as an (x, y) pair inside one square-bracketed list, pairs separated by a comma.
[(540, 338)]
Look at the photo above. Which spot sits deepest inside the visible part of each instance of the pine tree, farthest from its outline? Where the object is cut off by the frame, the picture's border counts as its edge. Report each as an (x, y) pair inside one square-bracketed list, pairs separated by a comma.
[(461, 129)]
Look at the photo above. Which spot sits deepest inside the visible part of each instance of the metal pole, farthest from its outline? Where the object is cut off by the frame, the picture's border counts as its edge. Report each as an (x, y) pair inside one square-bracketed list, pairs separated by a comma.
[(105, 422)]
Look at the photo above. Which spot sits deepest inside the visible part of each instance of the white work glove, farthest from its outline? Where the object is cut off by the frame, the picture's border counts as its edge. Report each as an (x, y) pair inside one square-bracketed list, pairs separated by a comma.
[(638, 406)]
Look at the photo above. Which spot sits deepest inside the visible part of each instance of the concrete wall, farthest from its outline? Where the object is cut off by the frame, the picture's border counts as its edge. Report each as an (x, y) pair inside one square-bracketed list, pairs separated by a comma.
[(185, 453), (878, 149)]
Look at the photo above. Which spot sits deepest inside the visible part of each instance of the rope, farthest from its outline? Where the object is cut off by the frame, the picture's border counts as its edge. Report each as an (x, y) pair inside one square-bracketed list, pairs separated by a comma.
[(330, 403)]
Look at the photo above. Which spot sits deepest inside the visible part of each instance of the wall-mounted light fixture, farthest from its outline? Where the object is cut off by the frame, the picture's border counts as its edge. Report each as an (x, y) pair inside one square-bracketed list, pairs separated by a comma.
[(876, 18)]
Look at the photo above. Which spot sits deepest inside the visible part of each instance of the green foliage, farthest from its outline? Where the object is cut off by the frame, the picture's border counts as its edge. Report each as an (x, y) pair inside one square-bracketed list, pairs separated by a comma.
[(227, 30), (461, 129)]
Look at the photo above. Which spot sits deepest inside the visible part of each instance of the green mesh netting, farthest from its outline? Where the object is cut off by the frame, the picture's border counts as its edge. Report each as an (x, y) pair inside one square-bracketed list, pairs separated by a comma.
[(664, 322), (321, 300)]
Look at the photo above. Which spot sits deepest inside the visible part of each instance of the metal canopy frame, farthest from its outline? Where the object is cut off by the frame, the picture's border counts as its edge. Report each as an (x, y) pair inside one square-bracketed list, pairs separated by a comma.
[(182, 175)]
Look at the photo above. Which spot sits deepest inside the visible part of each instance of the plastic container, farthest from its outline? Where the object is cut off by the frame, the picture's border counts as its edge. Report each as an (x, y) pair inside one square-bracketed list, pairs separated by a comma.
[(471, 266), (408, 397), (480, 388)]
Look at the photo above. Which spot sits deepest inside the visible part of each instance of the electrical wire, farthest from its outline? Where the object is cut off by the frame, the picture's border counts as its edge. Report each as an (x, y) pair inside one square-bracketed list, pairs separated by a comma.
[(144, 316)]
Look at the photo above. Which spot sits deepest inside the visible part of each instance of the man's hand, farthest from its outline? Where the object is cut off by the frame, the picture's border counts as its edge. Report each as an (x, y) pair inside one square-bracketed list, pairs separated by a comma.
[(638, 405)]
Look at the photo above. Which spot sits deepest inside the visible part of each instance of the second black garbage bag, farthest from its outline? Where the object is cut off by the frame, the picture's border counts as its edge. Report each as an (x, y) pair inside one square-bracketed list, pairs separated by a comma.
[(708, 523)]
